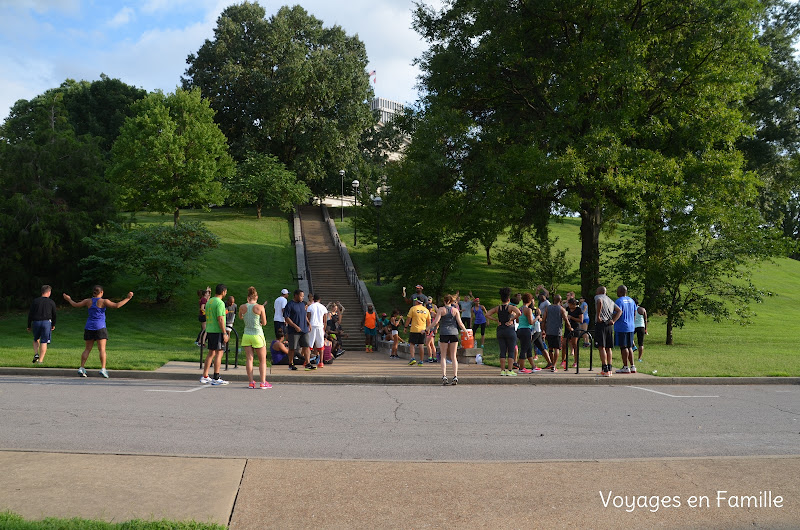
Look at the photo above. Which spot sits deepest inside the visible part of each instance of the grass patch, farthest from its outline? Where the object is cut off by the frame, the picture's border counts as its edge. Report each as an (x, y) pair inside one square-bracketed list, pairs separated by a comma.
[(12, 521), (702, 348), (144, 336)]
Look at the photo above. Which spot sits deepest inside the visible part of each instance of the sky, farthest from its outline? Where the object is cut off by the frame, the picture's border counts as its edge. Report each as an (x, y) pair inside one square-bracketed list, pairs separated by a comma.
[(145, 43)]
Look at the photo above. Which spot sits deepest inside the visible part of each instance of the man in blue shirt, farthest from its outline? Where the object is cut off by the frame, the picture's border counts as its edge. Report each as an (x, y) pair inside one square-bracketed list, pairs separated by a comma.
[(624, 327), (296, 317)]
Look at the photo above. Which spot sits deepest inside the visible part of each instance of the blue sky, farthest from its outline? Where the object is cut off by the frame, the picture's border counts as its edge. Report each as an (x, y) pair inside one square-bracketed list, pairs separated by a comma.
[(145, 43)]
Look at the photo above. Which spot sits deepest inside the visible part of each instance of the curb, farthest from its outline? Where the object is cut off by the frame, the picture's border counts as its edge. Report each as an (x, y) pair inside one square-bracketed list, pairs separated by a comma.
[(352, 379)]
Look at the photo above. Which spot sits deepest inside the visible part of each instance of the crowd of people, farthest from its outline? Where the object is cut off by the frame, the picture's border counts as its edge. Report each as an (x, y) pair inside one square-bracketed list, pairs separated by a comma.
[(310, 333)]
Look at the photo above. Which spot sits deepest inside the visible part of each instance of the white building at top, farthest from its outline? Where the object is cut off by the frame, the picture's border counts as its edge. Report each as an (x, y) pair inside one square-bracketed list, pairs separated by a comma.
[(387, 108)]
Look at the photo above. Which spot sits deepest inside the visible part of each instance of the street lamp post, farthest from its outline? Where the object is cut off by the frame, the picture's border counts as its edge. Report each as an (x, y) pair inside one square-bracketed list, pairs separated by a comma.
[(356, 183), (341, 174), (378, 202)]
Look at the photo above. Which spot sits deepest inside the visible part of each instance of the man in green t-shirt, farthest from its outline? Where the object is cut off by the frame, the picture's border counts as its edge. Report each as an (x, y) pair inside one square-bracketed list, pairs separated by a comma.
[(216, 335)]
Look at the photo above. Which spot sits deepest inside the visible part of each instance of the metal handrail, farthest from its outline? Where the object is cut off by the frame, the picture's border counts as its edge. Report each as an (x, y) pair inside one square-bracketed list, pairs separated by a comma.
[(349, 268), (227, 350)]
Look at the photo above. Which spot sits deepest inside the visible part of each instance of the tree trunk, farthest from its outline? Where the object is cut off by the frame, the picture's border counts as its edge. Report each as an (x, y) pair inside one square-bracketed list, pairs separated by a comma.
[(669, 329), (652, 272), (488, 255), (258, 212), (591, 219), (176, 217)]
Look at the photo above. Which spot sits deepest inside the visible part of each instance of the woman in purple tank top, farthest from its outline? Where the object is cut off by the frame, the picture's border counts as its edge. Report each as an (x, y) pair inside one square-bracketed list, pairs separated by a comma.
[(95, 330)]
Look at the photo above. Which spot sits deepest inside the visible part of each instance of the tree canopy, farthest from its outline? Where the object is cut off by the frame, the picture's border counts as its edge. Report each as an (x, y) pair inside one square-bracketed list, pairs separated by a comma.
[(286, 86), (170, 154)]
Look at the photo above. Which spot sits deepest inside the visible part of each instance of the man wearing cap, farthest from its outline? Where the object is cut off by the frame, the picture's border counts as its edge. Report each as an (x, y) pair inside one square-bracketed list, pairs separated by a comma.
[(415, 296), (384, 330), (419, 319), (278, 320)]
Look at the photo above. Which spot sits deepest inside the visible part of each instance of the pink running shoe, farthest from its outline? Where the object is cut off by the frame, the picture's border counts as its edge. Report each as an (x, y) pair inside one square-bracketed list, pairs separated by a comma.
[(321, 365), (265, 385), (526, 371), (252, 384)]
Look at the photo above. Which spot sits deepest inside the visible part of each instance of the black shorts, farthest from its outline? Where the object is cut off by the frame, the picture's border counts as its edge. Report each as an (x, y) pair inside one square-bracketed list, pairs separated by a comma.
[(448, 339), (201, 318), (216, 341), (416, 338), (625, 339), (603, 335), (640, 336), (95, 334), (554, 342)]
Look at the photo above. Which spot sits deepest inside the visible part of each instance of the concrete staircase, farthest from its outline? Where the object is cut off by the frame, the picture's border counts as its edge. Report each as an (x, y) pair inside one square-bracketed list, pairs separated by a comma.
[(328, 275)]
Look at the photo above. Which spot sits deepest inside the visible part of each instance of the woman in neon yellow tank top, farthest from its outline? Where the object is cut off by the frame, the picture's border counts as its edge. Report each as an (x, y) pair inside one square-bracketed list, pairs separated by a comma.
[(254, 317)]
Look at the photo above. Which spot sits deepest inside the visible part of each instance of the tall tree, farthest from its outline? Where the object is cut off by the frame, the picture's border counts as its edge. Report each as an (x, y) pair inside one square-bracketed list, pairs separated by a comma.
[(286, 86), (171, 154), (589, 93), (264, 182), (54, 195)]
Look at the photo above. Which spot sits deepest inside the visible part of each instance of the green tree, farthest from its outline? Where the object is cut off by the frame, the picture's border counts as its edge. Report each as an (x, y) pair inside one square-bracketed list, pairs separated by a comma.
[(264, 182), (163, 257), (54, 195), (535, 261), (170, 155), (287, 86), (589, 95)]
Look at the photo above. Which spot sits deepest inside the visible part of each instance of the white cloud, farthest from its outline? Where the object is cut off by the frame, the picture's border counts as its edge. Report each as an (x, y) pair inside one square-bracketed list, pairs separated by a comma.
[(123, 16), (42, 6)]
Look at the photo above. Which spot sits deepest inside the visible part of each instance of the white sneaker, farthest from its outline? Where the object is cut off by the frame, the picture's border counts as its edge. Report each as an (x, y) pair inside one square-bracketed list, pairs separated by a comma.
[(82, 371), (206, 380), (624, 370), (216, 382), (104, 373)]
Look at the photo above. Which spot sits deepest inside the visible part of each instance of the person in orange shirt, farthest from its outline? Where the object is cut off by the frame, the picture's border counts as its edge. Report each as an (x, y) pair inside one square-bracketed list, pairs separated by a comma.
[(370, 324)]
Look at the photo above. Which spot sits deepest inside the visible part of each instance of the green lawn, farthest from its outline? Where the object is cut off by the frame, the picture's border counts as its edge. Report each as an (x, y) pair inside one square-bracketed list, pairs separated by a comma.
[(144, 336), (12, 521), (702, 348)]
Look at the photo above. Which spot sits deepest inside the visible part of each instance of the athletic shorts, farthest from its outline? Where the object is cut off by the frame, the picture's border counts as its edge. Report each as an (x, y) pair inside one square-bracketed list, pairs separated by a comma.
[(482, 328), (395, 333), (448, 339), (216, 341), (317, 337), (370, 332), (416, 338), (255, 341), (201, 318), (299, 340), (95, 334), (585, 319), (553, 342), (640, 336), (41, 330), (625, 339), (603, 336)]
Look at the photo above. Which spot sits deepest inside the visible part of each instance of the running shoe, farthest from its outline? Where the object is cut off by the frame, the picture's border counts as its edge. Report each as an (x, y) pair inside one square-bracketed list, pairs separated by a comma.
[(252, 384), (82, 371), (35, 358), (455, 380), (321, 365), (217, 382), (445, 382), (537, 369), (310, 367), (292, 367), (574, 365), (624, 370), (526, 371), (605, 374), (511, 373), (265, 385), (206, 380), (633, 369), (564, 365), (553, 369), (412, 362), (104, 373), (503, 372), (516, 365)]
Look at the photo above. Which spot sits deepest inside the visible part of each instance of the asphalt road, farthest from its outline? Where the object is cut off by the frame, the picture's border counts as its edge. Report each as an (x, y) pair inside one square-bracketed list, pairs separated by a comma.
[(398, 423)]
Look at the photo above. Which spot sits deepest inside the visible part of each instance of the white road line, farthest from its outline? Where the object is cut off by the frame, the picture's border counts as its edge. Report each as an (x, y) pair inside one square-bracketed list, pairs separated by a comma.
[(669, 395), (190, 390)]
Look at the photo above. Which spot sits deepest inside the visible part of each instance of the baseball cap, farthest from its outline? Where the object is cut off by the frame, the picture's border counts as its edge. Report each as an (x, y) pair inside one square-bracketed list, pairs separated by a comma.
[(419, 287), (284, 291), (417, 300)]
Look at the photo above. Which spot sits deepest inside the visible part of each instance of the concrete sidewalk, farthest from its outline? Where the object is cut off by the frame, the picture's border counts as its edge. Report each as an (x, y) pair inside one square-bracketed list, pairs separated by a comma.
[(361, 368), (263, 493)]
